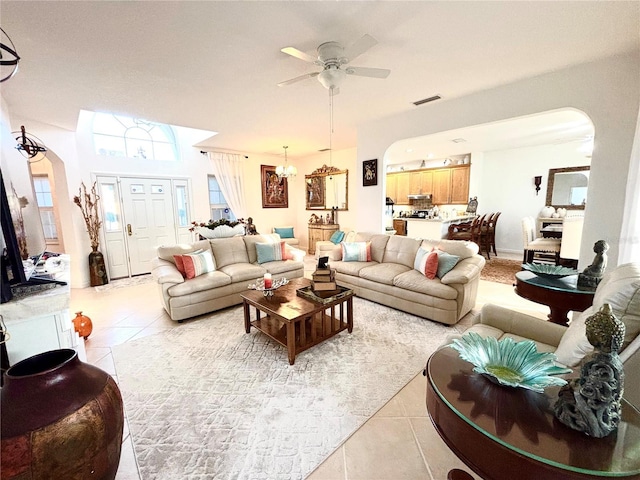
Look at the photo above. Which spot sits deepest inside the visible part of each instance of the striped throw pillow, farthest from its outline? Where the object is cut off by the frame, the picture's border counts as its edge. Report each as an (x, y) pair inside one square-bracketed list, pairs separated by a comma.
[(196, 264), (356, 251)]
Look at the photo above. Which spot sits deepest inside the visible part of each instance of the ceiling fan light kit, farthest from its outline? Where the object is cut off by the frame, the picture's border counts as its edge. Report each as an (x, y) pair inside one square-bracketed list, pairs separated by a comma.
[(331, 57)]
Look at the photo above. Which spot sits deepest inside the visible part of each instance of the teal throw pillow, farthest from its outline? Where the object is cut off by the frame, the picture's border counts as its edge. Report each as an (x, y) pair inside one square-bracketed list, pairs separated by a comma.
[(337, 237), (284, 232), (270, 252), (446, 262)]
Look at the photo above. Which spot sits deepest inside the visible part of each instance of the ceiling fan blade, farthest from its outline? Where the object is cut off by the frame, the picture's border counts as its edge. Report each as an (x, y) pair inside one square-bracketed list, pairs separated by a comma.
[(294, 52), (368, 72), (359, 47), (297, 79)]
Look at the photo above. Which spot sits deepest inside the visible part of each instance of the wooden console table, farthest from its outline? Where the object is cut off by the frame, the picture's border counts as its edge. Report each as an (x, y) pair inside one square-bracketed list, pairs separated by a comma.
[(505, 433), (560, 294), (320, 232)]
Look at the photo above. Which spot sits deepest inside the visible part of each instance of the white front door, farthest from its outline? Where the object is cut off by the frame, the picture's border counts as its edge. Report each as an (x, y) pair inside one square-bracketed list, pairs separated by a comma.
[(149, 219)]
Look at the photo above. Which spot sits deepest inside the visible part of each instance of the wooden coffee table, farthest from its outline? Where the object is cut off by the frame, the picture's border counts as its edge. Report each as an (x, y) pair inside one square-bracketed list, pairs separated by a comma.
[(295, 322)]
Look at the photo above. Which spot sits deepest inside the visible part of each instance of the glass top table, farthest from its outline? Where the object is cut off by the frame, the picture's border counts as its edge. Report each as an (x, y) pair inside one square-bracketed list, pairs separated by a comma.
[(560, 294), (503, 432)]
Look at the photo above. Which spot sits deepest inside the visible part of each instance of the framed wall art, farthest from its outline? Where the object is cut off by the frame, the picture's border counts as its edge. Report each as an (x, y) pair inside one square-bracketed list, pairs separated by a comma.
[(370, 172), (275, 192)]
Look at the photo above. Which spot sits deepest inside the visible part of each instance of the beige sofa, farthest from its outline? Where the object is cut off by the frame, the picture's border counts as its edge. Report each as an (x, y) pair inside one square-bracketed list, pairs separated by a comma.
[(390, 278), (236, 265), (620, 288)]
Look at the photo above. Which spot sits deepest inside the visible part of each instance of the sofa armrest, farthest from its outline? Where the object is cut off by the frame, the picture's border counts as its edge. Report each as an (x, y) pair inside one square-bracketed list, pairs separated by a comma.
[(521, 324), (466, 270), (166, 272)]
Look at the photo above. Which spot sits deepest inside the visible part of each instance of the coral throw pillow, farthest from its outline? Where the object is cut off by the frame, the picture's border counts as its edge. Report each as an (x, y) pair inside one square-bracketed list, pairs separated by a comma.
[(196, 264), (271, 252), (356, 251), (180, 263), (426, 263)]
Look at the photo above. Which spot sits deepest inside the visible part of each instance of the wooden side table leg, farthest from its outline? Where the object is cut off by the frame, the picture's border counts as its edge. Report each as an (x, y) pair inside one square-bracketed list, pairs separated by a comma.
[(559, 315), (291, 342), (350, 315), (247, 316), (457, 474)]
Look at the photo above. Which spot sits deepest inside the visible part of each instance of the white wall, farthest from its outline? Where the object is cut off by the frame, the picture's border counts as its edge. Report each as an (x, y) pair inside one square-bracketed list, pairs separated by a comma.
[(516, 197), (607, 90)]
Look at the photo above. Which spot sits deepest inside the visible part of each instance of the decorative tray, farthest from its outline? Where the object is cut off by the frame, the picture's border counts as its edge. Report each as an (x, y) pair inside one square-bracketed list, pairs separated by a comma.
[(323, 297), (268, 292), (510, 363), (551, 271)]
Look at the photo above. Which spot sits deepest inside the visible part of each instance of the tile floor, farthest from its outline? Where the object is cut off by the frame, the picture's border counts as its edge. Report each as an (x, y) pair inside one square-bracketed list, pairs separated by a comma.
[(397, 443)]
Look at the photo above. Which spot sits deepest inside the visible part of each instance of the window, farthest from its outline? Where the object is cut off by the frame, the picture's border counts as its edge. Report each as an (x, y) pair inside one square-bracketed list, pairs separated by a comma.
[(218, 205), (118, 136), (44, 198)]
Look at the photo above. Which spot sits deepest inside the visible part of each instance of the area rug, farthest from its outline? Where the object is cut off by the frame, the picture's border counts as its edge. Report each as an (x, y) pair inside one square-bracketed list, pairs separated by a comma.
[(206, 400), (125, 282), (501, 270)]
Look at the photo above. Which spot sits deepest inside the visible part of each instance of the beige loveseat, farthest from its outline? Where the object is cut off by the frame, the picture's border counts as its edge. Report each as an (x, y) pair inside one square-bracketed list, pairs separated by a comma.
[(620, 288), (390, 278), (236, 265)]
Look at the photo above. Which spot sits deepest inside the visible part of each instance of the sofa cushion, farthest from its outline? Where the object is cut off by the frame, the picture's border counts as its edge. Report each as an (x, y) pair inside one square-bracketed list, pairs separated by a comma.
[(378, 244), (228, 251), (270, 252), (460, 248), (242, 272), (401, 250), (356, 252), (349, 268), (202, 283), (283, 266), (416, 282), (284, 232), (383, 272), (574, 346), (337, 237), (167, 252), (197, 263)]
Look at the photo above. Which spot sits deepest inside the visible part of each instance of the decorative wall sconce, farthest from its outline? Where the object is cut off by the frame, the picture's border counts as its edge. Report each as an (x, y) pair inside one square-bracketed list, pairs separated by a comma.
[(537, 181)]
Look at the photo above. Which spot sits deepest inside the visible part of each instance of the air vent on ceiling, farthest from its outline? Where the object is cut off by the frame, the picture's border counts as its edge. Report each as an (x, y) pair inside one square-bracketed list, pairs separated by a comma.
[(427, 100), (458, 140), (324, 149)]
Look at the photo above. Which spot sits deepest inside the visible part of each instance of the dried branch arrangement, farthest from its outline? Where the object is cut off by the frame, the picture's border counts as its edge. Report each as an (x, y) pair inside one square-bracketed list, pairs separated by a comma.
[(88, 203)]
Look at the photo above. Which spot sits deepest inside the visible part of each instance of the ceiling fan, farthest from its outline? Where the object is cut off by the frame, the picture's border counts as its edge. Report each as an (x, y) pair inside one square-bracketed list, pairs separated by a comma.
[(332, 57)]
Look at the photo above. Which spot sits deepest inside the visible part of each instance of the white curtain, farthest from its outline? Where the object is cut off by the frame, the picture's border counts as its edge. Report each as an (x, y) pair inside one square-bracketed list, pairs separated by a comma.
[(630, 234), (229, 171)]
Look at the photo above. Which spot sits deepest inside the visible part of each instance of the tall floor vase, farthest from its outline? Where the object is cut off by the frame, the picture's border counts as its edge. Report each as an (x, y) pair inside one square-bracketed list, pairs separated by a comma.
[(97, 268), (61, 418)]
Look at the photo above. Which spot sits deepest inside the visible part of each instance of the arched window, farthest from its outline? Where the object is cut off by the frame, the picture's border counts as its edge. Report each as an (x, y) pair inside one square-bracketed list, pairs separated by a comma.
[(119, 136)]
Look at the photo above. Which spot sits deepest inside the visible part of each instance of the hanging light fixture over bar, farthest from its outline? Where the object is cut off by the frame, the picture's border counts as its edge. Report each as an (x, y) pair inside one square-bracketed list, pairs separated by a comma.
[(30, 146), (9, 58)]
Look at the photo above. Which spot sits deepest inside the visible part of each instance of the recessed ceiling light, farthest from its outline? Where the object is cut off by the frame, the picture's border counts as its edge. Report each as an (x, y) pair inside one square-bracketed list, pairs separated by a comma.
[(430, 155), (409, 150), (458, 140)]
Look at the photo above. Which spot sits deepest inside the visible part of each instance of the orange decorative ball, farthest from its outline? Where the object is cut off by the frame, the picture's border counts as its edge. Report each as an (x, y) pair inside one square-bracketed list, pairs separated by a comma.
[(82, 324)]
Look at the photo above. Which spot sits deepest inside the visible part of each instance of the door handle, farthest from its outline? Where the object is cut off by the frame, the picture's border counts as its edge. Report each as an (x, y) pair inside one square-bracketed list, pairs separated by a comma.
[(129, 229)]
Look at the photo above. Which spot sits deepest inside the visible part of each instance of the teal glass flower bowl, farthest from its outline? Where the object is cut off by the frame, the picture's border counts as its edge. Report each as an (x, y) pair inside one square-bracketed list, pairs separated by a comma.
[(510, 363), (550, 271)]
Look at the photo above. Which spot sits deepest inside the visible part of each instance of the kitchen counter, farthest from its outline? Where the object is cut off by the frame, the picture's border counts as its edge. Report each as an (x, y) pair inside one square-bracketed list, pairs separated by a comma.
[(433, 228)]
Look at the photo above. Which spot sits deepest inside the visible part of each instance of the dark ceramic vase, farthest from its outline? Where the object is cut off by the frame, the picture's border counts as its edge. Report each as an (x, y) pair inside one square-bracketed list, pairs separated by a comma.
[(97, 270), (61, 418)]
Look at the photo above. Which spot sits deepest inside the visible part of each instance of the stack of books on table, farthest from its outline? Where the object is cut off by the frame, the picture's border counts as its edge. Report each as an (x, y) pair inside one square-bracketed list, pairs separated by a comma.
[(324, 280)]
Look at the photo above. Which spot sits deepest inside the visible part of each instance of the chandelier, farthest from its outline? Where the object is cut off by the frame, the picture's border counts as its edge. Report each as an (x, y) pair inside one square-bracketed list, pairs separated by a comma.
[(286, 170), (9, 58), (30, 146)]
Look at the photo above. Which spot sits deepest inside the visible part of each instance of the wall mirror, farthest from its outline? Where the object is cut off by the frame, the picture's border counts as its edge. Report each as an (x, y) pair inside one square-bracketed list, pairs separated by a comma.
[(567, 187), (327, 187)]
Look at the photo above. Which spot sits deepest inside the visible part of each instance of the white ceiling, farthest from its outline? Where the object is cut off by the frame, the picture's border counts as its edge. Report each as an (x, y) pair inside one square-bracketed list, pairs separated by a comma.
[(215, 65)]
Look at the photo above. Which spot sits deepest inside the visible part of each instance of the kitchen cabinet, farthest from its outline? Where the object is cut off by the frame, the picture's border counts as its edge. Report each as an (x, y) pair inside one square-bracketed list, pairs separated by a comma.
[(320, 232), (447, 185)]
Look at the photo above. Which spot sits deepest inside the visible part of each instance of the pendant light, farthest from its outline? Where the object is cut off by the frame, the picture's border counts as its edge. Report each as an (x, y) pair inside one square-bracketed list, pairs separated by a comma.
[(286, 170)]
